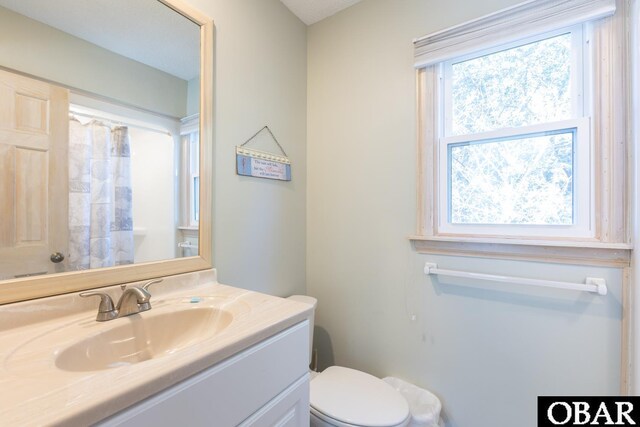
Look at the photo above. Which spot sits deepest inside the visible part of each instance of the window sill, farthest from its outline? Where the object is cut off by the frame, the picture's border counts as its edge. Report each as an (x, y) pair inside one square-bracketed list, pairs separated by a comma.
[(581, 252)]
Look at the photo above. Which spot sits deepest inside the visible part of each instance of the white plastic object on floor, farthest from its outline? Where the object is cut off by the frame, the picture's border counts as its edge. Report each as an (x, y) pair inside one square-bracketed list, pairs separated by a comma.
[(424, 406)]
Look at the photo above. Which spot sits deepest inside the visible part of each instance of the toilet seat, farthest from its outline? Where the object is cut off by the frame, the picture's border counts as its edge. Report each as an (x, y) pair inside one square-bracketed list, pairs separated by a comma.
[(346, 397)]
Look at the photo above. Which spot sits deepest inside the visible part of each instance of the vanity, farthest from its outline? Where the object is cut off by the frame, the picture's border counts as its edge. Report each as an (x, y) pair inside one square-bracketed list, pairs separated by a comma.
[(205, 354)]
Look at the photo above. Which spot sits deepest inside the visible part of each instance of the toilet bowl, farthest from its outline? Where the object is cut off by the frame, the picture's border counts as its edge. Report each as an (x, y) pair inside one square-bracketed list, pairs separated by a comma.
[(344, 397)]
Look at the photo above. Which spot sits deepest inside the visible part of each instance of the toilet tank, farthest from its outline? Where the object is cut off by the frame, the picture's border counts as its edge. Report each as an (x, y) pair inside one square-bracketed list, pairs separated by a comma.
[(312, 302)]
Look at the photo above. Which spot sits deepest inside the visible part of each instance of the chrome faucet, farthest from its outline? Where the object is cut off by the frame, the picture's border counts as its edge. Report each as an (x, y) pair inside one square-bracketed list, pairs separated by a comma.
[(133, 300)]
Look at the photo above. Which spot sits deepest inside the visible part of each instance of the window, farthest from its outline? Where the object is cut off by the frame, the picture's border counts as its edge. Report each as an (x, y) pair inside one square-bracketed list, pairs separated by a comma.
[(191, 173), (522, 135), (194, 178), (515, 145)]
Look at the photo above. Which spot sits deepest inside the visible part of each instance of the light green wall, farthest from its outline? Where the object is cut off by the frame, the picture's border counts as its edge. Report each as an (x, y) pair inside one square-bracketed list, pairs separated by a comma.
[(487, 350), (193, 96), (259, 225), (39, 50)]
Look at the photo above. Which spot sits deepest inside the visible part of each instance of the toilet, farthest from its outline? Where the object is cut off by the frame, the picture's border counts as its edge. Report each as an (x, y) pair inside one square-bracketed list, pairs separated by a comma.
[(344, 397)]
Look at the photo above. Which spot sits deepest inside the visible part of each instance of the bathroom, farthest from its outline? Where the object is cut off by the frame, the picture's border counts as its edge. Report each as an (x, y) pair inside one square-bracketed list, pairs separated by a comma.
[(340, 96)]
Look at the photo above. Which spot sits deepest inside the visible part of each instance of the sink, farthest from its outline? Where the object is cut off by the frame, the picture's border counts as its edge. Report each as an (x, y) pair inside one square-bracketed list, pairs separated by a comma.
[(138, 338), (176, 325)]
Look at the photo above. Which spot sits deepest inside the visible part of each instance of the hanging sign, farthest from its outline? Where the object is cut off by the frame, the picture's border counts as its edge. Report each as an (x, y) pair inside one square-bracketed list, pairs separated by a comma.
[(260, 164)]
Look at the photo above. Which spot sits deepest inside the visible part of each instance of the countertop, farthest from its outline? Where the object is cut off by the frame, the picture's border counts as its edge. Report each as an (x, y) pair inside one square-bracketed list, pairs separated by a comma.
[(33, 391)]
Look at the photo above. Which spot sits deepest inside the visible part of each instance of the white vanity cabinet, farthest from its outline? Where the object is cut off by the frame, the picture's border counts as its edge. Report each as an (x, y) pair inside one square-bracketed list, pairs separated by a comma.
[(266, 384)]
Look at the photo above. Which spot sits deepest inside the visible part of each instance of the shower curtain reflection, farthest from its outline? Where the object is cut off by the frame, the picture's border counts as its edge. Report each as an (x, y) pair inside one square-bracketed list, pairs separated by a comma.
[(100, 208)]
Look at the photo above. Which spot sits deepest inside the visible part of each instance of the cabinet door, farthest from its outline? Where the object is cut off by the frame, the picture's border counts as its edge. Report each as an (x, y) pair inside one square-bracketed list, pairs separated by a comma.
[(227, 394), (289, 409)]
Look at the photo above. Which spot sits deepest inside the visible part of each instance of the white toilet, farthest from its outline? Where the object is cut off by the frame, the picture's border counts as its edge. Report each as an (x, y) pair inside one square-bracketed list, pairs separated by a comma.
[(343, 397)]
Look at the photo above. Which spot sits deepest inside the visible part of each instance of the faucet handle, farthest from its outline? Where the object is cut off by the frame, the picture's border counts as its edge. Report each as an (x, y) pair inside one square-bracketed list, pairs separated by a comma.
[(106, 310), (149, 283)]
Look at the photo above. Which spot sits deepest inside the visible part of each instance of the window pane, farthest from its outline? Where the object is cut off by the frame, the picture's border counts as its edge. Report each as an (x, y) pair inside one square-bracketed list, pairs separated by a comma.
[(194, 152), (527, 180), (526, 85), (196, 198)]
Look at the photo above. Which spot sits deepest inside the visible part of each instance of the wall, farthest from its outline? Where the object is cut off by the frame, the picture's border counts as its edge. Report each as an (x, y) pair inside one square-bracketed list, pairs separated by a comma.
[(486, 349), (152, 175), (635, 165), (260, 79), (42, 51), (193, 97)]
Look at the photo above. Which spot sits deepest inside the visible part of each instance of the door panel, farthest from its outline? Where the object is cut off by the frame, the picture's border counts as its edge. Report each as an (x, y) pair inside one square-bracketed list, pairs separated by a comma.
[(33, 175)]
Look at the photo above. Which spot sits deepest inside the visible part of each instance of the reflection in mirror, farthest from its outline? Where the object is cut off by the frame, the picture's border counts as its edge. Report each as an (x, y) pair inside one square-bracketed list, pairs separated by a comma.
[(99, 135)]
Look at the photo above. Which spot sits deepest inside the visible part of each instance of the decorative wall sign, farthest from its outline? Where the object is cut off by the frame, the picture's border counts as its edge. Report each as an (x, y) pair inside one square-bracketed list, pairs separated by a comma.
[(260, 164)]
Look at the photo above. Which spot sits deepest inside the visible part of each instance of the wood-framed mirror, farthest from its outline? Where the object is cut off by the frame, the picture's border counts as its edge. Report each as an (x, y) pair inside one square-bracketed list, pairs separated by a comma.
[(20, 287)]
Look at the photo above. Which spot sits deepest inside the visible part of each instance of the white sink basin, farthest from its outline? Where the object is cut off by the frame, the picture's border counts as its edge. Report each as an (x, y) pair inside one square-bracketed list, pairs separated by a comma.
[(137, 338), (82, 344)]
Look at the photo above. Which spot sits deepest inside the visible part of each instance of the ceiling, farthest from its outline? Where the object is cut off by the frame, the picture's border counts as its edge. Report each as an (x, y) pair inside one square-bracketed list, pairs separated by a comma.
[(312, 11), (134, 29)]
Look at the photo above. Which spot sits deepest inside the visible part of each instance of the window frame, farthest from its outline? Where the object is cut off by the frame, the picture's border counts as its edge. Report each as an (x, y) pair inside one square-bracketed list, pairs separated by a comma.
[(583, 212), (188, 168), (607, 77), (193, 175), (189, 171)]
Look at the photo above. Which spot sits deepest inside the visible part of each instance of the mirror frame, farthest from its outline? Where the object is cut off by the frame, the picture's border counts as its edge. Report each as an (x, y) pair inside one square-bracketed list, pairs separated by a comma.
[(60, 283)]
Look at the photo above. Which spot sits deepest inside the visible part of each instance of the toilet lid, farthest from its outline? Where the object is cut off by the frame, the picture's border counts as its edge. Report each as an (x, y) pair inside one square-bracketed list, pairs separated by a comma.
[(357, 398)]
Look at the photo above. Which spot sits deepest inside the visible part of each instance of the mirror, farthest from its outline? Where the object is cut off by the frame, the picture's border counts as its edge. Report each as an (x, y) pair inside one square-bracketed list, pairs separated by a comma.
[(106, 115)]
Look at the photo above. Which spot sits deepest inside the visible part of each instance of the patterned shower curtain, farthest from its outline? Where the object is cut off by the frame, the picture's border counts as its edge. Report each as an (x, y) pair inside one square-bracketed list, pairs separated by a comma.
[(100, 210)]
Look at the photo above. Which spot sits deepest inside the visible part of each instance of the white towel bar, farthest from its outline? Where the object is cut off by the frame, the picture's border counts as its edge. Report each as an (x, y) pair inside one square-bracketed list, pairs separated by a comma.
[(187, 245), (592, 284)]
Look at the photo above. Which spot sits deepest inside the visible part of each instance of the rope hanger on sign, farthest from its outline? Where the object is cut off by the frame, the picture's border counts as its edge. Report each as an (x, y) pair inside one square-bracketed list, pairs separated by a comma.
[(261, 164)]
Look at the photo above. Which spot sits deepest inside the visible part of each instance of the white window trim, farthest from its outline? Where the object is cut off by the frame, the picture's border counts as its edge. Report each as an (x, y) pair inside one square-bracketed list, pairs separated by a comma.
[(189, 126), (194, 219), (514, 23), (610, 243)]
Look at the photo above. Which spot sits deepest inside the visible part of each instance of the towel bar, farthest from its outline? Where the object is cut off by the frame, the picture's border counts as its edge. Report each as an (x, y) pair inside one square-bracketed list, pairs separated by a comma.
[(593, 284)]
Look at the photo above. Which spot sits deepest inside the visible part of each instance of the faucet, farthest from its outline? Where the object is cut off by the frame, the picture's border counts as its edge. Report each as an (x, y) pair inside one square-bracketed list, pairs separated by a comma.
[(133, 300)]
